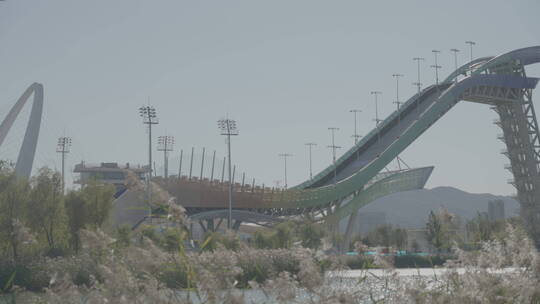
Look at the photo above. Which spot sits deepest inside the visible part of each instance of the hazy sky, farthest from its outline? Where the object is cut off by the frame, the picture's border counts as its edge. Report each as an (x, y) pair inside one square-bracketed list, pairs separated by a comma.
[(285, 70)]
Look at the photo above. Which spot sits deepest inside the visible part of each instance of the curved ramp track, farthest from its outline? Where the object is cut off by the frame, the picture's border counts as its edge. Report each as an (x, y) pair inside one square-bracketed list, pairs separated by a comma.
[(361, 163), (499, 81)]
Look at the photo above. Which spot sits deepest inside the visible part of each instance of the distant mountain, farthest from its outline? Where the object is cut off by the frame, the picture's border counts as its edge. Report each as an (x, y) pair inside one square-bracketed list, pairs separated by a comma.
[(410, 209)]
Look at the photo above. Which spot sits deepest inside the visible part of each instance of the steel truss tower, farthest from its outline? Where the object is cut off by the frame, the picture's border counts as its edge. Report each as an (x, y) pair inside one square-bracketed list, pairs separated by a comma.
[(522, 138)]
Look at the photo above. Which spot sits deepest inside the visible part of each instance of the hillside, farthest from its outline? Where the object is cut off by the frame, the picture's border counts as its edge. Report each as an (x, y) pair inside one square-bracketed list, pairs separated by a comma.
[(410, 209)]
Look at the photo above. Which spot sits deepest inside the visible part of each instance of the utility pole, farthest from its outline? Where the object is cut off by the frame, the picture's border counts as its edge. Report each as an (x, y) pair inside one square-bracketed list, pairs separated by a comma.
[(334, 147), (356, 136), (165, 145), (418, 83), (455, 51), (471, 43), (228, 128), (64, 143), (285, 155), (148, 113), (310, 145), (436, 66)]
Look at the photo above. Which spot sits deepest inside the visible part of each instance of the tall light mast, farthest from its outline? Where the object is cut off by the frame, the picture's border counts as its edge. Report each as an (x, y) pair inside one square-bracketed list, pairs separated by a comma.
[(64, 143), (418, 84), (165, 145), (285, 155), (148, 114), (471, 43), (310, 146), (436, 66), (455, 51), (355, 135), (377, 120), (334, 147), (228, 128)]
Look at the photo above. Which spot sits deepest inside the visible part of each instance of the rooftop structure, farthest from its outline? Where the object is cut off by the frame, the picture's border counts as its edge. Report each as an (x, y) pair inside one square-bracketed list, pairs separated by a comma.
[(110, 173)]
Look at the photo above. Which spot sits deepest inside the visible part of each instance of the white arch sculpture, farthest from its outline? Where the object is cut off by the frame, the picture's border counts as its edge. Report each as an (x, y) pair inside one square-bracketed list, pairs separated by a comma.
[(25, 160)]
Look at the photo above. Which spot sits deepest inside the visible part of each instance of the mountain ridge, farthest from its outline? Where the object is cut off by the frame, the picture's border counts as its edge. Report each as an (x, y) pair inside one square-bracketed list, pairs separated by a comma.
[(410, 209)]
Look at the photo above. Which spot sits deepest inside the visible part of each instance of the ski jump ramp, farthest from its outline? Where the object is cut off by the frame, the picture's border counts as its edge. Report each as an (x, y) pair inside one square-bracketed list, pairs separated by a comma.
[(356, 178)]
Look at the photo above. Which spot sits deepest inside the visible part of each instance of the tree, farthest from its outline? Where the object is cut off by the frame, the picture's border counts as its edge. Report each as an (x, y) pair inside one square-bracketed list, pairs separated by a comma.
[(435, 233), (281, 236), (481, 229), (311, 235), (123, 236), (400, 238), (387, 236), (76, 211), (46, 214), (13, 201), (284, 235), (98, 198)]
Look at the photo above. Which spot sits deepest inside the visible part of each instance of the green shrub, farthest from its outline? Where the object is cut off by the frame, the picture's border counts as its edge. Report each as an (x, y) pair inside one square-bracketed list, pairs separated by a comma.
[(258, 271), (172, 240), (229, 240), (262, 240), (150, 233), (56, 252), (123, 236), (210, 242), (281, 236), (311, 235), (82, 277), (416, 261), (32, 278), (359, 262), (83, 272), (287, 264), (174, 276)]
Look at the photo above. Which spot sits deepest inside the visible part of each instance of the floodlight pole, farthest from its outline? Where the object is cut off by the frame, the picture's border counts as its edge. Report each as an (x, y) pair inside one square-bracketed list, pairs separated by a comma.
[(455, 51), (334, 147), (285, 155), (471, 43), (228, 128), (436, 66), (418, 83), (310, 145), (148, 113), (397, 102), (377, 120), (356, 136), (229, 222), (165, 144), (64, 143)]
